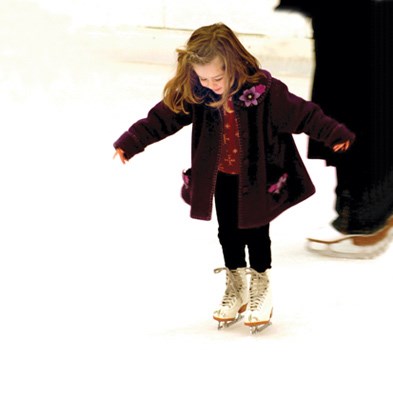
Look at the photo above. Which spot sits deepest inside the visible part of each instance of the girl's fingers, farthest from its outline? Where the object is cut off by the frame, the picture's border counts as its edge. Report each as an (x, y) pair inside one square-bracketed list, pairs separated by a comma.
[(120, 153), (342, 146)]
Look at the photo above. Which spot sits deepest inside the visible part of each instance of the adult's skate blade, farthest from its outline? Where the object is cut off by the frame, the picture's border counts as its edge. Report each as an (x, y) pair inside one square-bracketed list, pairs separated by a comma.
[(347, 249)]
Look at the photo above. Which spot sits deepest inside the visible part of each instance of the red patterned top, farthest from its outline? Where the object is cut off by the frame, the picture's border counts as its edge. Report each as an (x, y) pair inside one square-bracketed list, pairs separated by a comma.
[(230, 148)]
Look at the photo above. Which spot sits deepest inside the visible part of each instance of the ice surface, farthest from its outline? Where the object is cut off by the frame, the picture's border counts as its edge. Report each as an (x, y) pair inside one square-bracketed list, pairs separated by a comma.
[(107, 286)]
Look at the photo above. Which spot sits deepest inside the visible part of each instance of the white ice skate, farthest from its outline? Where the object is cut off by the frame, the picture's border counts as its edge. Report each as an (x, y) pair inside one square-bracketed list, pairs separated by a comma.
[(260, 308), (235, 299), (330, 242)]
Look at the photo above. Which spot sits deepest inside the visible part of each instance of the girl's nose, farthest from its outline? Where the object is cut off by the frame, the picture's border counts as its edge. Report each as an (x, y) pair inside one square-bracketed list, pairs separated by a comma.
[(213, 85)]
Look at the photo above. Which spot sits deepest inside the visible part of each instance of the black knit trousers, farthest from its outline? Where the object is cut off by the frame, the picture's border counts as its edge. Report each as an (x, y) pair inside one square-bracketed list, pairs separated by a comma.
[(233, 240)]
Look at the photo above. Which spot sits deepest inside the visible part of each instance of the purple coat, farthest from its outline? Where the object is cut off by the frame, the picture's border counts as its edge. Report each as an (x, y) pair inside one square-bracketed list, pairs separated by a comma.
[(273, 176)]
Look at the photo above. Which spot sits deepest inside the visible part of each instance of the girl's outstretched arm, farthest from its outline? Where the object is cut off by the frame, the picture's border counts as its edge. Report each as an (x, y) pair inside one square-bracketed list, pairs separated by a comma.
[(160, 123)]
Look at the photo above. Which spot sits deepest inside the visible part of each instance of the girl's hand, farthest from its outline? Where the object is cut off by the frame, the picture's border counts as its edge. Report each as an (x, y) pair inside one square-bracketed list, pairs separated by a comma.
[(341, 146), (120, 153)]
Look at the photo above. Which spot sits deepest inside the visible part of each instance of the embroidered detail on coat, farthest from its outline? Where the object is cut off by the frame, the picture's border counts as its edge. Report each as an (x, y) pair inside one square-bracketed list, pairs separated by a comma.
[(249, 96), (275, 188)]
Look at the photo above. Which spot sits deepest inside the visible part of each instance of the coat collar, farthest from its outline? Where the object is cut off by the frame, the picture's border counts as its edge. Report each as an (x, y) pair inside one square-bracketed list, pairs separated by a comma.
[(248, 96)]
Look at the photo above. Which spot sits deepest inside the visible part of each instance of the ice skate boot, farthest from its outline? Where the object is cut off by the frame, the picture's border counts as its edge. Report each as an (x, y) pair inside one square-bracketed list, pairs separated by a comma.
[(260, 308), (235, 299), (330, 242)]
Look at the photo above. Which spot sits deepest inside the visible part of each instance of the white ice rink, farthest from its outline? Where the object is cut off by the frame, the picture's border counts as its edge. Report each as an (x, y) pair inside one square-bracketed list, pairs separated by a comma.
[(107, 286)]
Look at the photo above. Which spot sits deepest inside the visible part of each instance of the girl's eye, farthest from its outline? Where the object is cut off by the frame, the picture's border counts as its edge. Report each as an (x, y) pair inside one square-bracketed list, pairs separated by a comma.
[(215, 80)]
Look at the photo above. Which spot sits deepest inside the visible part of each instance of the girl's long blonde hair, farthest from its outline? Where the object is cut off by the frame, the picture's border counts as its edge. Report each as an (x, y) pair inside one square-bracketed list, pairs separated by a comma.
[(204, 45)]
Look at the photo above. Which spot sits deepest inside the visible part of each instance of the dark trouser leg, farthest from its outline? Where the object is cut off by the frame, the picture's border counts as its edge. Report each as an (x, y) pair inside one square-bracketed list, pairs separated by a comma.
[(364, 175), (363, 202), (234, 240), (259, 250), (231, 240)]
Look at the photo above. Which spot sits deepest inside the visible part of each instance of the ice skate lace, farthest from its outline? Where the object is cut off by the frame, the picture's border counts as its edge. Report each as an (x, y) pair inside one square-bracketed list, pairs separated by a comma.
[(258, 288), (232, 287)]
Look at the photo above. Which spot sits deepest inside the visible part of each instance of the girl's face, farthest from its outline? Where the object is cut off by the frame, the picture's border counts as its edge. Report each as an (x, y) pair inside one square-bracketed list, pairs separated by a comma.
[(212, 75)]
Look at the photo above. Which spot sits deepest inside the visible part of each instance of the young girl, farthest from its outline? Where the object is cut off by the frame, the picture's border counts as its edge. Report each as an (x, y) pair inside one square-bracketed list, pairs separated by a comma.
[(243, 155)]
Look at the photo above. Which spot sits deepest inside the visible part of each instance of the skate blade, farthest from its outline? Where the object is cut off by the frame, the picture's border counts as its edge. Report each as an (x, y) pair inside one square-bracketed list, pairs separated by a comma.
[(352, 247), (227, 323), (254, 329), (259, 326)]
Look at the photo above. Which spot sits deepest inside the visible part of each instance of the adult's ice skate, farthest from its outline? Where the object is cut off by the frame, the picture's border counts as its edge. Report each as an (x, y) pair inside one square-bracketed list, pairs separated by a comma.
[(330, 242)]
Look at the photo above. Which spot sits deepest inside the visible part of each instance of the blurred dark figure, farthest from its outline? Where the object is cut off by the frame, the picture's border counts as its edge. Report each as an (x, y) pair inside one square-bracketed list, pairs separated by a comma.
[(353, 83)]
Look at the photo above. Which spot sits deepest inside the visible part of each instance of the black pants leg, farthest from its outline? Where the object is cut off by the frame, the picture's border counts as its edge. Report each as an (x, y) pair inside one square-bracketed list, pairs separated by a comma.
[(234, 240), (259, 249), (364, 191)]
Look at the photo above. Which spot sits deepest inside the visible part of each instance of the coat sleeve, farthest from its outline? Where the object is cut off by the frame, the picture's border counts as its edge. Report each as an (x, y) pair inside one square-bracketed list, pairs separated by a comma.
[(292, 114), (160, 123)]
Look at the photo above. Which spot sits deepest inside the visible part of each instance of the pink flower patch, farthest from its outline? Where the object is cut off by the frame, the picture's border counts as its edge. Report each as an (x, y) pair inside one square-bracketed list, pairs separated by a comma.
[(250, 96)]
